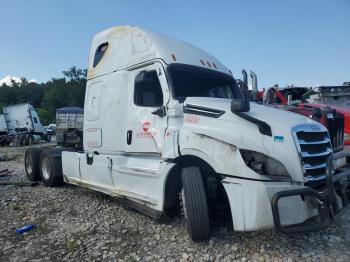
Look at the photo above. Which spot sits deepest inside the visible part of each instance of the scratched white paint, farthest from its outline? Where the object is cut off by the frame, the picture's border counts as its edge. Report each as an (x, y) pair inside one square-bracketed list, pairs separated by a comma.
[(139, 171)]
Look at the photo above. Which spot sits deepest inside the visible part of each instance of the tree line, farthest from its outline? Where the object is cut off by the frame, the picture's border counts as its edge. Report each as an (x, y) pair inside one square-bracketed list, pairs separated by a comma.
[(69, 90)]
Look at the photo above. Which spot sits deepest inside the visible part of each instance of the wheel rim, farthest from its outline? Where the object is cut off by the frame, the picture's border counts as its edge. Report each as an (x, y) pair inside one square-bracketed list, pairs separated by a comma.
[(28, 164), (183, 203), (46, 168)]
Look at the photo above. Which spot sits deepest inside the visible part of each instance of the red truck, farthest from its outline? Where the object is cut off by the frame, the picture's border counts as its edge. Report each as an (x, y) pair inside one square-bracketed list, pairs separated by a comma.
[(294, 99)]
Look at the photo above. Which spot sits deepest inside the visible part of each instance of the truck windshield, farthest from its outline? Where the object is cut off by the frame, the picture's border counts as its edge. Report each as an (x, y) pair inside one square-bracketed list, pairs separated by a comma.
[(193, 81)]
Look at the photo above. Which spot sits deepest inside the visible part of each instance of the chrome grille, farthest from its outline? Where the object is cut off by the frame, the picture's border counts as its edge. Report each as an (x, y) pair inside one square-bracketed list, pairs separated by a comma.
[(314, 146), (335, 125)]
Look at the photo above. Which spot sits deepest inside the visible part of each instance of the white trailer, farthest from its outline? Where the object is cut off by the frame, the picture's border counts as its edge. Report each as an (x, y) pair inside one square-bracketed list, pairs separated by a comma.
[(165, 123), (22, 124)]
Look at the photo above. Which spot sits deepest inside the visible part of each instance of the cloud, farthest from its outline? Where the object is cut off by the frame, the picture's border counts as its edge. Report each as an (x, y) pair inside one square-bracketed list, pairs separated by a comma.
[(8, 80)]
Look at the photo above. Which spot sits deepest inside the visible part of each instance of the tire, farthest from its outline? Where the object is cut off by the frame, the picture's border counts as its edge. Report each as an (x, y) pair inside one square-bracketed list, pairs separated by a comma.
[(26, 139), (21, 140), (30, 140), (195, 204), (31, 163), (51, 167), (16, 141)]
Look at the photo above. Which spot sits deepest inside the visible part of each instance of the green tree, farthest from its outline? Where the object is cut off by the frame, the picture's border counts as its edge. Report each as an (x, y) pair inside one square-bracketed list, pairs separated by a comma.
[(74, 74), (47, 97)]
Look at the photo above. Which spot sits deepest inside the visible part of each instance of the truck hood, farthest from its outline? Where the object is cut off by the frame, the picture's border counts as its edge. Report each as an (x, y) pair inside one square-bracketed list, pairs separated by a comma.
[(235, 130), (276, 118)]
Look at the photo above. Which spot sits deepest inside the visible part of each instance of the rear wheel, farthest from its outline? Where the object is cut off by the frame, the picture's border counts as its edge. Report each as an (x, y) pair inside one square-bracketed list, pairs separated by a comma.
[(21, 140), (27, 137), (31, 163), (195, 204), (16, 140), (51, 168), (30, 140)]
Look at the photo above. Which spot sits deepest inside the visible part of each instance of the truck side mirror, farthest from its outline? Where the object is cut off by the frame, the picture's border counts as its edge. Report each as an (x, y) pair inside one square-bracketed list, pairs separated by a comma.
[(240, 105), (161, 112)]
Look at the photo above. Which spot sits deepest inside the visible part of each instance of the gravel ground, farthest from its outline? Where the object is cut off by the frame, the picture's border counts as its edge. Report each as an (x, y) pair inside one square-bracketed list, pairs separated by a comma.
[(76, 224)]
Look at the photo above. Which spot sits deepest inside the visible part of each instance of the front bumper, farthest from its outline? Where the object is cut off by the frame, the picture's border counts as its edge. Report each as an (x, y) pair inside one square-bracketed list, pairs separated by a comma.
[(330, 200)]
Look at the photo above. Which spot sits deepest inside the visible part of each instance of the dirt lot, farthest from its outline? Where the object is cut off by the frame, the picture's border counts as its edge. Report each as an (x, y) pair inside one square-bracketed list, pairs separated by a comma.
[(75, 224)]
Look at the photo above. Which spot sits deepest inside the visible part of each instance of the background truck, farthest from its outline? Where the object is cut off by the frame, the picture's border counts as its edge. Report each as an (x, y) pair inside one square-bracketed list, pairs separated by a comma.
[(295, 99), (69, 126), (3, 126), (22, 126), (165, 125), (332, 95)]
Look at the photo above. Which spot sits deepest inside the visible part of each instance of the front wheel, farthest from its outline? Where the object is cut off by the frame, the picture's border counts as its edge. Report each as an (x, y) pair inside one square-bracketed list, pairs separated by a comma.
[(195, 204)]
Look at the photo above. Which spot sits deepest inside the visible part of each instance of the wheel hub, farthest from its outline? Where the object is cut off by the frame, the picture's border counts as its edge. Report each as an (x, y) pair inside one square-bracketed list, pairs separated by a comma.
[(28, 164), (46, 168), (183, 203)]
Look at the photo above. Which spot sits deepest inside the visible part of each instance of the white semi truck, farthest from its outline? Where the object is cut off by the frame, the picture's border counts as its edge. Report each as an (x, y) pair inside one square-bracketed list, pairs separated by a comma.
[(20, 124), (3, 126), (165, 123)]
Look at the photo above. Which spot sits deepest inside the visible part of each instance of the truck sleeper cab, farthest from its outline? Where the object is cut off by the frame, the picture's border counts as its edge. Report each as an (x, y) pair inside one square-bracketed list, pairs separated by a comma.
[(164, 123)]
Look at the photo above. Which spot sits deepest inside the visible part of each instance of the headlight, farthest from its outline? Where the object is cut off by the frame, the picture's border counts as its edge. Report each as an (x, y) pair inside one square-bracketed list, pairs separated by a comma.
[(262, 164)]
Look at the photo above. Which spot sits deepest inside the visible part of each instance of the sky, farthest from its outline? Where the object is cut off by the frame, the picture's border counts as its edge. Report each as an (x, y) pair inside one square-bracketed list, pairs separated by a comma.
[(299, 42)]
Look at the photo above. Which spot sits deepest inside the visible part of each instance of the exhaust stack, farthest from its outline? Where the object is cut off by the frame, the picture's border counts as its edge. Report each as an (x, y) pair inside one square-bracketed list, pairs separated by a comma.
[(245, 77), (254, 81)]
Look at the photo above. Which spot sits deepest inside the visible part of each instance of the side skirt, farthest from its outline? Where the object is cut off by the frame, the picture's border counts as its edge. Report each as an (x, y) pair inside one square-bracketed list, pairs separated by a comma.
[(142, 208), (123, 200)]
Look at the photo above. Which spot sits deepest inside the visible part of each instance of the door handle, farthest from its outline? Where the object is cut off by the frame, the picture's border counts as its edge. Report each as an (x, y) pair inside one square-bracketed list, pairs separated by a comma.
[(129, 137)]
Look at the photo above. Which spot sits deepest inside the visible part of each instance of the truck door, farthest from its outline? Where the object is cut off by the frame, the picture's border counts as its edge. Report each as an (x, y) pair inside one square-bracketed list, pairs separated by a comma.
[(147, 121)]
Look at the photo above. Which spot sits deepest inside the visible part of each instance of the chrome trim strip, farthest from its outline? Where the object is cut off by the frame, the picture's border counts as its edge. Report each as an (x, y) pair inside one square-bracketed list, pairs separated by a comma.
[(303, 142), (315, 178), (311, 167), (312, 128), (325, 153)]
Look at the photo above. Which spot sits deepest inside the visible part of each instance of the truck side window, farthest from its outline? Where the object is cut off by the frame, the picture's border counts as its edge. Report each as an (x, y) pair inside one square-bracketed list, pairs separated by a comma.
[(148, 91), (35, 120), (100, 51)]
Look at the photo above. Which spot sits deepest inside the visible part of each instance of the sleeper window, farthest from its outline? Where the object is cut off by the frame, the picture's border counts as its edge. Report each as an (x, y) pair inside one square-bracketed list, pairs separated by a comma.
[(148, 91), (100, 51)]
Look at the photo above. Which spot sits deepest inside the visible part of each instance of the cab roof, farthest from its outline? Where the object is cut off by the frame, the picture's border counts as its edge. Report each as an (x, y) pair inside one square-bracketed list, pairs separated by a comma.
[(126, 46)]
